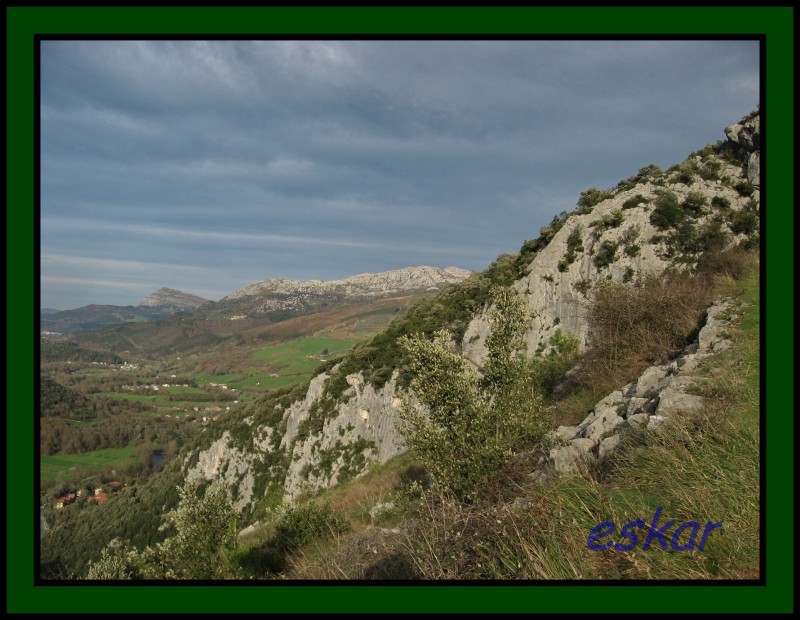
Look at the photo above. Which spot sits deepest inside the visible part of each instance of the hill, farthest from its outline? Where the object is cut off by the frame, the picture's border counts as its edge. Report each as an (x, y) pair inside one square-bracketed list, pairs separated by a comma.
[(156, 306)]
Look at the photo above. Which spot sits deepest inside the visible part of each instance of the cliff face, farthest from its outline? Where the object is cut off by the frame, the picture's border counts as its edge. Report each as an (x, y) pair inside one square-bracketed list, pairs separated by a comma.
[(330, 436), (360, 431)]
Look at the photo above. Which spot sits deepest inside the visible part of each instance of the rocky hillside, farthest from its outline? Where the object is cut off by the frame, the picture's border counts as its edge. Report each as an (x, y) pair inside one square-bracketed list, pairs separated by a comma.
[(649, 222), (170, 301), (314, 437)]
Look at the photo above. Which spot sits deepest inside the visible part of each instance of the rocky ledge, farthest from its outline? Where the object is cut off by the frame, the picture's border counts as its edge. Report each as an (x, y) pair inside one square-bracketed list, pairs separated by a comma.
[(648, 402)]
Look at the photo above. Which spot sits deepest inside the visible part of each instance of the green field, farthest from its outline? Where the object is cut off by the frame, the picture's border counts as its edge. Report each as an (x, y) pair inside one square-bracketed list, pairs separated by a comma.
[(59, 464), (295, 361)]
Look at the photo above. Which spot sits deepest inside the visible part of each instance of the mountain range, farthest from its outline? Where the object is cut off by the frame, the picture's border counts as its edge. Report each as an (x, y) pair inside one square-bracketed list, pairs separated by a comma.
[(275, 299)]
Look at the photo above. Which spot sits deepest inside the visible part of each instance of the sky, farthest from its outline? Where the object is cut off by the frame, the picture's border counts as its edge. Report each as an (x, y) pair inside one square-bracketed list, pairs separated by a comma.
[(205, 166)]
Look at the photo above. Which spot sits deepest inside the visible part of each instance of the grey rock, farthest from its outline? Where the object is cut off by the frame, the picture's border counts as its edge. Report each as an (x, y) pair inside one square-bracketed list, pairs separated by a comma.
[(611, 402), (682, 383), (674, 401), (722, 345), (655, 421), (607, 423), (638, 419), (567, 433), (636, 406), (607, 446), (585, 445), (754, 168), (567, 458), (647, 384)]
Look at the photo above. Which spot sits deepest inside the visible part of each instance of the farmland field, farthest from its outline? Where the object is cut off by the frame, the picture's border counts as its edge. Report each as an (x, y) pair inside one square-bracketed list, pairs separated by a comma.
[(296, 360), (58, 464)]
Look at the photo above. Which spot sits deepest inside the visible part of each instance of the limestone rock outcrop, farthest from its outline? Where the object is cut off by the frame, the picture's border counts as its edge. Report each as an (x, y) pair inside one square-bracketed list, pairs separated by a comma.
[(659, 392)]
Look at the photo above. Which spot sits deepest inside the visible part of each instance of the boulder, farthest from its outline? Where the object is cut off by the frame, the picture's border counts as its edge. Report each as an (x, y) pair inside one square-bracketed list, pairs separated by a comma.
[(607, 423), (647, 384), (607, 446), (674, 401), (567, 458), (567, 433), (638, 419)]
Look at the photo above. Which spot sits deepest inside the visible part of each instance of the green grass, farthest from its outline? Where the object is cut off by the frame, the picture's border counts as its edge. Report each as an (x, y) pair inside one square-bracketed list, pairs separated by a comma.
[(140, 398), (57, 465), (295, 361)]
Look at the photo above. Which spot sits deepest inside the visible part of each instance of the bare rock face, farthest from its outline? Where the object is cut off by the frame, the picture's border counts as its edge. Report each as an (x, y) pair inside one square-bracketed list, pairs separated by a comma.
[(173, 299), (360, 431), (229, 466), (747, 135)]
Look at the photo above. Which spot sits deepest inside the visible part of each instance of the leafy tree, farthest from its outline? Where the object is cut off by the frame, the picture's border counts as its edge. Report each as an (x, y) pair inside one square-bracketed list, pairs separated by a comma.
[(473, 423), (206, 528)]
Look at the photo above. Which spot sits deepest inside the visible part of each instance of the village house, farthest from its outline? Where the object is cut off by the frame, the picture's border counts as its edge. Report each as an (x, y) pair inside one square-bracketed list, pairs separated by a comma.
[(65, 500)]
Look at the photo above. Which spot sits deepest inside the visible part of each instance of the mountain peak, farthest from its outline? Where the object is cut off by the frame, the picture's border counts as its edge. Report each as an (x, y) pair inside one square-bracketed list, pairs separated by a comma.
[(174, 299)]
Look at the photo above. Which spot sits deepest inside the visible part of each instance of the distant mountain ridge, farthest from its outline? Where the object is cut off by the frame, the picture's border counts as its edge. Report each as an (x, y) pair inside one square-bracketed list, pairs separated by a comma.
[(276, 299), (158, 305), (365, 284), (281, 298)]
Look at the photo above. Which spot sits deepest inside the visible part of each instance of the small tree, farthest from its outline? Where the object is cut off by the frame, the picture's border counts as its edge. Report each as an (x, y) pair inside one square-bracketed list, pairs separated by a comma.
[(473, 423), (206, 532)]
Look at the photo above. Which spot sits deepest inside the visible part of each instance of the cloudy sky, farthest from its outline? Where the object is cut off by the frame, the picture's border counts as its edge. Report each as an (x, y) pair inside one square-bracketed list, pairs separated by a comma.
[(208, 165)]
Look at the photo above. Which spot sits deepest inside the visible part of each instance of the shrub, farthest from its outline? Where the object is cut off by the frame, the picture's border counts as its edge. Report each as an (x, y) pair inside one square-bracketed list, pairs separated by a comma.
[(667, 212), (549, 369), (574, 245), (720, 202), (733, 263), (206, 527), (710, 170), (745, 188), (632, 203), (590, 198), (473, 423), (606, 254), (743, 222), (299, 524), (694, 203), (610, 220), (633, 326), (628, 275), (632, 250), (630, 235)]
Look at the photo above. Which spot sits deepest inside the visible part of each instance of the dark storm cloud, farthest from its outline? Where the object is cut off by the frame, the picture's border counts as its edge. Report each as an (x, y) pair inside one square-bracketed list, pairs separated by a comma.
[(207, 165)]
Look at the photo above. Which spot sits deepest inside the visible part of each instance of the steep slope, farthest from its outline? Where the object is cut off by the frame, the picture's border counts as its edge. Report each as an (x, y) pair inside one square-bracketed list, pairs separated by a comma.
[(649, 222)]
